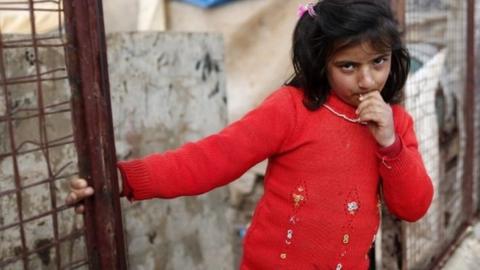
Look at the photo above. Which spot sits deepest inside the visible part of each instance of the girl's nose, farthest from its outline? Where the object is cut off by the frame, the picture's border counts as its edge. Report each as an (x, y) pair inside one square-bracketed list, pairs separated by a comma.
[(365, 80)]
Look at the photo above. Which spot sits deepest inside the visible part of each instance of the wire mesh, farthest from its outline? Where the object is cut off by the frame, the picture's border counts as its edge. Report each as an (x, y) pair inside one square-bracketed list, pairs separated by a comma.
[(436, 35), (37, 152)]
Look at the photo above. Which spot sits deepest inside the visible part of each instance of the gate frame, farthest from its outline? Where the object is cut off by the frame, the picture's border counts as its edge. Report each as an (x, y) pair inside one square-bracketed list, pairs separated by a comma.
[(93, 129)]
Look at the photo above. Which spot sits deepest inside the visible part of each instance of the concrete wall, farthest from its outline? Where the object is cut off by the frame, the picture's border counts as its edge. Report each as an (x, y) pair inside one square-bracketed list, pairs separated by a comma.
[(168, 89)]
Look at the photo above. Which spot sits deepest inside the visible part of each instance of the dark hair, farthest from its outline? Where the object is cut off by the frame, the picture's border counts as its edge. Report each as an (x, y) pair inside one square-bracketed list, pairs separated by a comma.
[(339, 24)]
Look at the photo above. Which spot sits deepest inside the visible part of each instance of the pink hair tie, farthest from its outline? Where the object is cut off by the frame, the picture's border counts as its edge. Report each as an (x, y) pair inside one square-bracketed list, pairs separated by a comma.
[(306, 8)]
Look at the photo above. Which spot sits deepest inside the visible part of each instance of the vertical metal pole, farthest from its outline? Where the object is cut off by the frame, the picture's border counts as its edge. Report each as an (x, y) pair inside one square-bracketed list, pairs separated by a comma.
[(399, 8), (469, 112), (93, 130)]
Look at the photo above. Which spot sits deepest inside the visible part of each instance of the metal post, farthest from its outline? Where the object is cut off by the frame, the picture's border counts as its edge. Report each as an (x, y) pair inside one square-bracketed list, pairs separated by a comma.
[(398, 6), (399, 9), (88, 72), (469, 112)]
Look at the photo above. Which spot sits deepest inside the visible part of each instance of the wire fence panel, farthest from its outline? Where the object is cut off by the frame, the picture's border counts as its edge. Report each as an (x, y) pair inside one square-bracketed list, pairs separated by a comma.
[(45, 138), (37, 153), (437, 38)]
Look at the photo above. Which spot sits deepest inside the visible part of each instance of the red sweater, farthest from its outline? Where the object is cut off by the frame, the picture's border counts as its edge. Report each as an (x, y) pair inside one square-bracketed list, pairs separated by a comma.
[(320, 209)]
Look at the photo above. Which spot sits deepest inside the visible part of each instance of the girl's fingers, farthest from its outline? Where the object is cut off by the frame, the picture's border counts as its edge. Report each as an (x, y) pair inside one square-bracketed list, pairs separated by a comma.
[(378, 115), (371, 117), (79, 209), (77, 195), (71, 198), (370, 102), (78, 183), (373, 93), (377, 111), (79, 190), (373, 108)]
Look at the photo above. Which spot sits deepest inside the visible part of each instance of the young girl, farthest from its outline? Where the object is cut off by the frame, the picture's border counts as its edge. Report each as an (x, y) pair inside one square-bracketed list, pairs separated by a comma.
[(335, 138)]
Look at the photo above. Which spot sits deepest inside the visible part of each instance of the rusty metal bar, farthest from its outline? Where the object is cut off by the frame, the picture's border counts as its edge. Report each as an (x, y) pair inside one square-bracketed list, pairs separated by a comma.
[(26, 44), (469, 112), (27, 9), (74, 265), (35, 80), (439, 261), (44, 38), (26, 2), (87, 69), (21, 79), (58, 45), (398, 7)]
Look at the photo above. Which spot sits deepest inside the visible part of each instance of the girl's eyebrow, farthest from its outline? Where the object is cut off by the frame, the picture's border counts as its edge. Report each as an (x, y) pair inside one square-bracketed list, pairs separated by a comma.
[(387, 54), (347, 61)]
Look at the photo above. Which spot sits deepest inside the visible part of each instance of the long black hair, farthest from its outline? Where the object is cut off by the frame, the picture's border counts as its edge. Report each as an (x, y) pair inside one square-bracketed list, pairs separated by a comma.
[(339, 24)]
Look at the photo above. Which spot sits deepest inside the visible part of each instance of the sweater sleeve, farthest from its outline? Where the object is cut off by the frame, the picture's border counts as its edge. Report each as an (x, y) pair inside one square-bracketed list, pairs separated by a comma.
[(198, 167), (407, 188)]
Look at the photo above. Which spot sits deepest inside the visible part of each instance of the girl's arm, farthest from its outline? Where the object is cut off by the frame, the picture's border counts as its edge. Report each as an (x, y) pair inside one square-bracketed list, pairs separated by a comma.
[(216, 160), (407, 188)]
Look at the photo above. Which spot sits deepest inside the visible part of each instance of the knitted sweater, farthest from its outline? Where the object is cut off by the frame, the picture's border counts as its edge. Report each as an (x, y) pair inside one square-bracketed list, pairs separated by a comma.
[(320, 208)]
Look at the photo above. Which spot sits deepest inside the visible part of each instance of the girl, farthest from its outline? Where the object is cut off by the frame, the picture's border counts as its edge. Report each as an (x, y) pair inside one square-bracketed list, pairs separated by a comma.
[(335, 138)]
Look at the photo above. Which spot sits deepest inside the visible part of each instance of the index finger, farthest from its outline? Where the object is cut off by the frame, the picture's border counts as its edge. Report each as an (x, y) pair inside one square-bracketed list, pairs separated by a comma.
[(372, 93), (78, 183), (78, 195)]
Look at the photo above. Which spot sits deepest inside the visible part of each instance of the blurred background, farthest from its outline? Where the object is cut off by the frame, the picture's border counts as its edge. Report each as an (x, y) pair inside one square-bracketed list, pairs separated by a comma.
[(176, 71)]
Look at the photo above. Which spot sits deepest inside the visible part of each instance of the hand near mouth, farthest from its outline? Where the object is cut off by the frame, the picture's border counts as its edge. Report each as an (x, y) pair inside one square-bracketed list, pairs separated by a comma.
[(379, 117)]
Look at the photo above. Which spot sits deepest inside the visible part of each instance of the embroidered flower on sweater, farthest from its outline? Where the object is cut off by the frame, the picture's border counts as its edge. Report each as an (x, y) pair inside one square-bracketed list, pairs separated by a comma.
[(298, 196), (352, 207), (352, 202), (297, 199)]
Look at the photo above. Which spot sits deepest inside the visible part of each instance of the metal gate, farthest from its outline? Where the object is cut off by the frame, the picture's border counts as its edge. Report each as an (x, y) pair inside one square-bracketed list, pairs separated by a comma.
[(55, 123)]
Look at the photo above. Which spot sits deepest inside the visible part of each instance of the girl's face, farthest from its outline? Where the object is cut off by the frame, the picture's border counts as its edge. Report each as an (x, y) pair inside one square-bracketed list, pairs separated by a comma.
[(357, 70)]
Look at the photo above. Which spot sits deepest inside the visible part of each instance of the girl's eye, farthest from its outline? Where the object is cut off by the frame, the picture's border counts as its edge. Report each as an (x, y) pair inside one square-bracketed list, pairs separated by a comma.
[(348, 67), (380, 60)]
